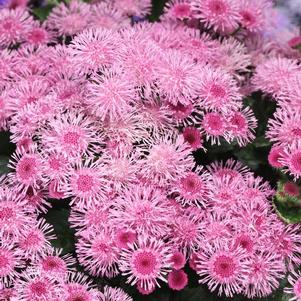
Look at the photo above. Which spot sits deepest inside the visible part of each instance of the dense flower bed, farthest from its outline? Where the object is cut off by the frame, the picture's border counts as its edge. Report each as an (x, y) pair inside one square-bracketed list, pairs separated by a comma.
[(113, 120)]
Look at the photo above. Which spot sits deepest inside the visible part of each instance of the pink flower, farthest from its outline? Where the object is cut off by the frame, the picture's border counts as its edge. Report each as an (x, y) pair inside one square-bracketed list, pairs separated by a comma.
[(168, 158), (10, 262), (232, 56), (291, 189), (142, 209), (223, 269), (114, 294), (276, 157), (111, 95), (286, 241), (107, 15), (86, 183), (191, 189), (39, 35), (134, 7), (93, 49), (252, 14), (214, 127), (294, 291), (124, 238), (241, 126), (14, 215), (178, 260), (35, 241), (293, 161), (55, 265), (222, 15), (35, 287), (231, 169), (13, 25), (73, 134), (193, 136), (28, 169), (177, 280), (284, 126), (91, 217), (98, 253), (78, 287), (178, 78), (140, 57), (273, 75), (27, 92), (218, 90), (146, 262), (178, 9), (265, 273), (69, 19), (186, 231)]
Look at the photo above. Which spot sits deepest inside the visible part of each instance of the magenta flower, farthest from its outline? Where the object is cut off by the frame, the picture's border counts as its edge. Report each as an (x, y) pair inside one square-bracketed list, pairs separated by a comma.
[(177, 280)]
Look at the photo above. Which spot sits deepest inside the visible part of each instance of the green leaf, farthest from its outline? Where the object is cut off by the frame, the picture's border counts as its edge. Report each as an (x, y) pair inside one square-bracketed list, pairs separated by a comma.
[(287, 206), (261, 142), (290, 214), (43, 12), (58, 217), (3, 164)]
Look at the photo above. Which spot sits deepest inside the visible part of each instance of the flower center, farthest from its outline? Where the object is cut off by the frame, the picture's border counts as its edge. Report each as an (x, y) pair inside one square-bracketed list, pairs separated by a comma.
[(84, 183), (217, 91), (39, 288), (7, 213), (71, 138), (26, 167), (224, 266), (145, 263), (217, 7)]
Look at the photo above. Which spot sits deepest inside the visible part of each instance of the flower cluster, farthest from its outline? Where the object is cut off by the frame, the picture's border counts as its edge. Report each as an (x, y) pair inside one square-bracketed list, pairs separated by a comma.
[(107, 114), (280, 77)]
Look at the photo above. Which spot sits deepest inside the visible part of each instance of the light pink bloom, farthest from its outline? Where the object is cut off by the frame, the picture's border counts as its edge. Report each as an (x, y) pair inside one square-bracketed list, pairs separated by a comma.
[(222, 15), (264, 276), (114, 294), (69, 19), (13, 25), (35, 241), (294, 291), (222, 269), (146, 262), (178, 78), (94, 49), (98, 253), (178, 9), (218, 90), (36, 287), (111, 94), (142, 209), (10, 263), (167, 158)]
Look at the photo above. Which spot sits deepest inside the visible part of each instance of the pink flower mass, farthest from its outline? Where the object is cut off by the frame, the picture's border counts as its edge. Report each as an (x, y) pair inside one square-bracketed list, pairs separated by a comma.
[(116, 124)]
